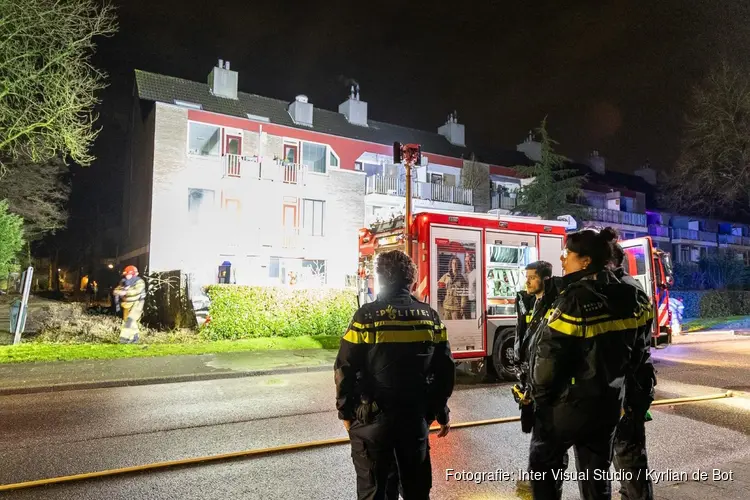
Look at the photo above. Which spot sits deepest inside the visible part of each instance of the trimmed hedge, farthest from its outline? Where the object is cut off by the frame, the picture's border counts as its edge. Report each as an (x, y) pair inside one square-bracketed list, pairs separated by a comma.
[(713, 303), (242, 312)]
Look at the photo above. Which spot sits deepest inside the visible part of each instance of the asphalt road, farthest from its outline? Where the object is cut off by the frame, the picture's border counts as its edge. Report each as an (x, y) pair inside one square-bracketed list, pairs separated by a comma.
[(54, 434)]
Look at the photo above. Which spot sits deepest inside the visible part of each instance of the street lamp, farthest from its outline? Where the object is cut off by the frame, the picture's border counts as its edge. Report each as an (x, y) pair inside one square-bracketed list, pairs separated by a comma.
[(410, 154)]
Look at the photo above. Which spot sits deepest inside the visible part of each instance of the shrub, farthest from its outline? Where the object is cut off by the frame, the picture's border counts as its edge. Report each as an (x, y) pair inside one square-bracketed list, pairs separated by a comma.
[(716, 303), (249, 311), (72, 323)]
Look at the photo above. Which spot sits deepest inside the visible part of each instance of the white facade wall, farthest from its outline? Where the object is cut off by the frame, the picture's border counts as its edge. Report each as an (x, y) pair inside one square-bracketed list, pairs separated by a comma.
[(252, 236)]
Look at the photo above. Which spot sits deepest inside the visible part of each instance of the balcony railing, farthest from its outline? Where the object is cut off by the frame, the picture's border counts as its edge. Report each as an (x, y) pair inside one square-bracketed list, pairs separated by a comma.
[(616, 216), (503, 201), (271, 170), (684, 234), (394, 186), (658, 230), (707, 236), (731, 239)]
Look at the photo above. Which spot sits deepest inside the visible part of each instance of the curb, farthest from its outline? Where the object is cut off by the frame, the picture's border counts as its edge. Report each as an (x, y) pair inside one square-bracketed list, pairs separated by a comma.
[(173, 379)]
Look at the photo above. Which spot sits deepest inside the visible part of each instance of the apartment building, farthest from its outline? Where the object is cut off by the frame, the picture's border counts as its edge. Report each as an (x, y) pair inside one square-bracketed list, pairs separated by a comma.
[(277, 190)]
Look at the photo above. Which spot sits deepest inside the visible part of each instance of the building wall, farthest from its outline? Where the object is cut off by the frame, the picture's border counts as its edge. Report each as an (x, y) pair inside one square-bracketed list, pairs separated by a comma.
[(138, 187), (241, 219)]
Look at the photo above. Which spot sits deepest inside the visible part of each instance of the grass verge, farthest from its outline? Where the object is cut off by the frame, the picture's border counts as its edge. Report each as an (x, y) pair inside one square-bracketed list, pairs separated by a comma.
[(29, 352), (698, 324)]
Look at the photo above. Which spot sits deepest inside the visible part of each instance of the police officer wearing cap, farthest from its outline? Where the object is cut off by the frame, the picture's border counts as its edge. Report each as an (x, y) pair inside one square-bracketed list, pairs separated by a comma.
[(394, 374), (630, 439), (580, 357)]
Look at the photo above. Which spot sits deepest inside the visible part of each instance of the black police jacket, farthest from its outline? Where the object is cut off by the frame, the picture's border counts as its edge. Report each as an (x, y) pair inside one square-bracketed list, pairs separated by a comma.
[(585, 348), (524, 312), (639, 386), (396, 353)]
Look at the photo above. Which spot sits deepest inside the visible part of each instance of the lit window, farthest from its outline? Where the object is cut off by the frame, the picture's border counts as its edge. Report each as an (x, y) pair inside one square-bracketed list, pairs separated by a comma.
[(314, 157), (312, 213), (204, 139)]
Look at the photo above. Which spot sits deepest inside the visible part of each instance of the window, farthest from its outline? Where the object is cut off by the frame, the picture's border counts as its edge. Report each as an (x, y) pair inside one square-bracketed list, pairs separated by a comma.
[(290, 153), (204, 139), (273, 267), (314, 157), (333, 160), (436, 178), (233, 145), (358, 166), (314, 272), (289, 215), (200, 205), (312, 213)]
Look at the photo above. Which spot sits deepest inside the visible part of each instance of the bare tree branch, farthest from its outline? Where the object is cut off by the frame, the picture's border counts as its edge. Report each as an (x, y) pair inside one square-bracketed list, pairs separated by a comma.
[(47, 84)]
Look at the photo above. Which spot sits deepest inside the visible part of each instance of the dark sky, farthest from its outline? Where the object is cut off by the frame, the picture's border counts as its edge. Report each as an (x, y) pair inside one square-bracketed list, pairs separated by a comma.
[(610, 74)]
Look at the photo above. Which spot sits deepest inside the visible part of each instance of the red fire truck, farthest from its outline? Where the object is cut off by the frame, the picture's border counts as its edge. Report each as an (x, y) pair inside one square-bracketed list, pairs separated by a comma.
[(653, 268), (470, 268)]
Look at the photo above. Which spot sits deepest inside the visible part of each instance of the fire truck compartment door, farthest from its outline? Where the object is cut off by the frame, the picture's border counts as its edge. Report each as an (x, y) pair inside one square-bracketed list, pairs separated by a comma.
[(457, 296), (638, 262), (550, 249)]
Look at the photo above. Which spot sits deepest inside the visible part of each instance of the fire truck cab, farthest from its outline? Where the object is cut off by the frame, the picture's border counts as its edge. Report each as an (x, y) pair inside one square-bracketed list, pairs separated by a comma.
[(470, 268), (653, 269)]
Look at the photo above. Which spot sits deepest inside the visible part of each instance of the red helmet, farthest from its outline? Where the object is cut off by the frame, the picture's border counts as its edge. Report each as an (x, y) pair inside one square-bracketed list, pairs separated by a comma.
[(130, 270)]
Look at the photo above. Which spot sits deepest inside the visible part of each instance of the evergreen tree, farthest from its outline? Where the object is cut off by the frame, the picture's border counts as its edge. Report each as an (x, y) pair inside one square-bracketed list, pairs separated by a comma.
[(554, 189)]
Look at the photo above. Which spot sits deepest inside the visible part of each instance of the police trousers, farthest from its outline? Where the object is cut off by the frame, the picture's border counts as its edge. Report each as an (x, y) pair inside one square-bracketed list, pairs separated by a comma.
[(393, 448), (631, 459), (591, 436)]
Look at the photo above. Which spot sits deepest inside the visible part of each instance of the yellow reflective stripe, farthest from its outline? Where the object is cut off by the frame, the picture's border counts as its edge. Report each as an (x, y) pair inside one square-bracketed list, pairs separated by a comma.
[(615, 325), (391, 336), (566, 328), (528, 318), (441, 334), (380, 324), (589, 331)]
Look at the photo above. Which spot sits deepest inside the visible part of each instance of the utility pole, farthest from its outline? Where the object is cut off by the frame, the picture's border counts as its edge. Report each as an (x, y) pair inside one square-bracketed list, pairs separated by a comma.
[(410, 154)]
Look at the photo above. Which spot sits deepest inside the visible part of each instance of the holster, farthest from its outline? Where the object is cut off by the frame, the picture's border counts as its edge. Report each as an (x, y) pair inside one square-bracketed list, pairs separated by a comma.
[(521, 396), (367, 411)]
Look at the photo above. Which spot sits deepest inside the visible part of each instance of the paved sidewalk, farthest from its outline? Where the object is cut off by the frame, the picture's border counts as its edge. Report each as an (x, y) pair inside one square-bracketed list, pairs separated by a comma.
[(733, 482), (21, 378)]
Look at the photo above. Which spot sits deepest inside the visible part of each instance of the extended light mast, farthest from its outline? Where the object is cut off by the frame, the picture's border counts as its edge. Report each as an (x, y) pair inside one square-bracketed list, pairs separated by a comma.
[(410, 154)]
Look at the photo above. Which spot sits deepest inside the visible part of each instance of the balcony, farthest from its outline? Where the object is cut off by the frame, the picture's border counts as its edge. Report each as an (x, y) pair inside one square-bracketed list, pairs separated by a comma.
[(731, 239), (503, 201), (236, 166), (684, 234), (616, 216), (394, 186), (658, 230)]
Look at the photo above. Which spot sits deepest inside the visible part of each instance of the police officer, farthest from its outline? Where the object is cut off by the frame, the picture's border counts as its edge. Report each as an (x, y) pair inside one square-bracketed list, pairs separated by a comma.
[(394, 374), (579, 360), (531, 305), (630, 439)]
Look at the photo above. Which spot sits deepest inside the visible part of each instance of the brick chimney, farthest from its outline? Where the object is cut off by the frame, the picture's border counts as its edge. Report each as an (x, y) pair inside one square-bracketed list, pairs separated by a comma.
[(531, 148), (301, 111), (353, 108), (222, 81), (597, 162), (647, 173), (453, 131)]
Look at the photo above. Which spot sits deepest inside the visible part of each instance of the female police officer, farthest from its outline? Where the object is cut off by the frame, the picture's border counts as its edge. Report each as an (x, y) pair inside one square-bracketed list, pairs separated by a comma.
[(579, 361)]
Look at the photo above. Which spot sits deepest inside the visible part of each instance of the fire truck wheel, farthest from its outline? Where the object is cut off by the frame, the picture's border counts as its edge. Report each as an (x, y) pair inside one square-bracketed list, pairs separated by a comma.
[(502, 354)]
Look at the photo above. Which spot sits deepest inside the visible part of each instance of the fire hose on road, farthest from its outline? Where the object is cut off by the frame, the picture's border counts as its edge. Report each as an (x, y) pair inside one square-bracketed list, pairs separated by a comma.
[(291, 447)]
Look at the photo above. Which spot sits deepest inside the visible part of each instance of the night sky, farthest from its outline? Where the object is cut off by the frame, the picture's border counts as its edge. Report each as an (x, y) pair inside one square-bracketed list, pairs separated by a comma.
[(611, 75)]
